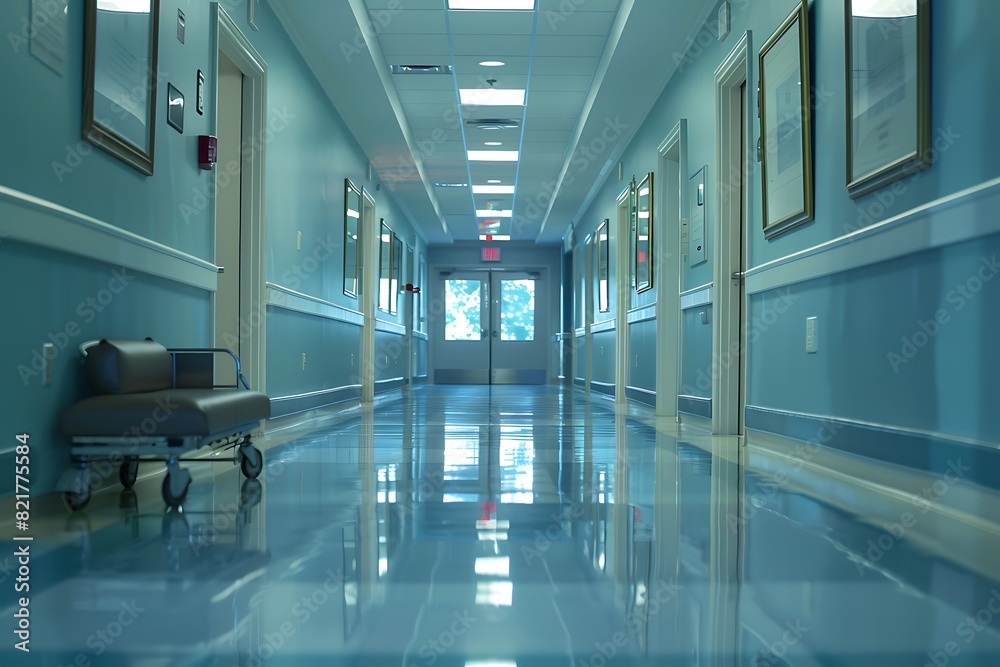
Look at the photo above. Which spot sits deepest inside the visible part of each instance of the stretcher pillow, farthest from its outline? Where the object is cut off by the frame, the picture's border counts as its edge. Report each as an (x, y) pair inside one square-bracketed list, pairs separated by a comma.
[(129, 367)]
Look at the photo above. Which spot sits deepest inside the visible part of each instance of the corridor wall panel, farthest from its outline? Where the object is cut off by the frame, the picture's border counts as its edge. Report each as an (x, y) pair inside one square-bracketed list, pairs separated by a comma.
[(900, 346), (159, 231)]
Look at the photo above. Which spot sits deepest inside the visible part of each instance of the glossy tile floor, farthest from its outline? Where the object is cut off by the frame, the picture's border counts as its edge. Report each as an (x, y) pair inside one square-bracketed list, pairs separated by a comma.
[(503, 527)]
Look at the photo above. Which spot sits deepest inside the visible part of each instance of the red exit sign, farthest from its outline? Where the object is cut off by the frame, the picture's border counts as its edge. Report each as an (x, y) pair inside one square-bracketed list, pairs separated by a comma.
[(491, 254)]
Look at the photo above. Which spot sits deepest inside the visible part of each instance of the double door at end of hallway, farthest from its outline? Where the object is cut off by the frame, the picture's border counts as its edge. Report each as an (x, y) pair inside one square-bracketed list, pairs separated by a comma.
[(490, 332)]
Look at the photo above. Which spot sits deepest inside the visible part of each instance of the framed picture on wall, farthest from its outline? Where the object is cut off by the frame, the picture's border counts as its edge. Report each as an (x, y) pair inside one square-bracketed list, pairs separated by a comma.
[(603, 269), (644, 234), (352, 237), (119, 81), (786, 125), (888, 91), (385, 267)]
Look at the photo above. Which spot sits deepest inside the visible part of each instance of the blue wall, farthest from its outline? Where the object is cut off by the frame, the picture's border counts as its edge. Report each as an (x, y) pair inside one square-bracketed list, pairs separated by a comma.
[(864, 313), (308, 158)]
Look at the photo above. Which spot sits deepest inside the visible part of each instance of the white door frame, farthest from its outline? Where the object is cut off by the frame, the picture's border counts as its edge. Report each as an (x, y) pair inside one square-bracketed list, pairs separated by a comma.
[(623, 285), (231, 42), (729, 293), (669, 247), (371, 236)]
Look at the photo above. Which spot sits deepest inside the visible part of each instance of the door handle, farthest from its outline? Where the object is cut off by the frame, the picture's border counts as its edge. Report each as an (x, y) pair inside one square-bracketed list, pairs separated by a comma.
[(495, 334), (482, 334), (738, 277)]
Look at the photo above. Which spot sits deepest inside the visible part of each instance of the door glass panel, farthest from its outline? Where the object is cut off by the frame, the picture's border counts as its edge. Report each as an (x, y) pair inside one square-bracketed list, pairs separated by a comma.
[(517, 310), (463, 310)]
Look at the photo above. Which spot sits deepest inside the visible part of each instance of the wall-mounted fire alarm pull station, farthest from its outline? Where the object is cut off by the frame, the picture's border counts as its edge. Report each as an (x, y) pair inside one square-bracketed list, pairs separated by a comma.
[(208, 151)]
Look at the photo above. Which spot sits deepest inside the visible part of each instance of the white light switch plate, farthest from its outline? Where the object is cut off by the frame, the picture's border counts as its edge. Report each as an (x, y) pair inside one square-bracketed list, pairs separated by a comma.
[(811, 346)]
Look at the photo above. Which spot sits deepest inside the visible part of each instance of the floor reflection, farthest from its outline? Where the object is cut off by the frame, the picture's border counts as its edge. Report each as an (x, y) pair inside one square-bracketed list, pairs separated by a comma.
[(499, 527)]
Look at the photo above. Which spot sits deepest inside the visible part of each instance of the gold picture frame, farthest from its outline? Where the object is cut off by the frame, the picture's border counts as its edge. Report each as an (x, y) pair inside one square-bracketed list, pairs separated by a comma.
[(644, 234), (888, 93), (784, 109), (603, 266), (120, 82)]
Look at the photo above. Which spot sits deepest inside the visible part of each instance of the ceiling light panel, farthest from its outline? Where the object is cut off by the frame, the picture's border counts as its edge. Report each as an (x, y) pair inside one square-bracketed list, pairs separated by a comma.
[(493, 156), (492, 97), (493, 189), (490, 213), (493, 5)]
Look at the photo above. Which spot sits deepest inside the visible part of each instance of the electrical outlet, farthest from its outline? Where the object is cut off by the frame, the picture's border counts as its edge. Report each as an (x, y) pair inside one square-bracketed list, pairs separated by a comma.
[(303, 361), (811, 343)]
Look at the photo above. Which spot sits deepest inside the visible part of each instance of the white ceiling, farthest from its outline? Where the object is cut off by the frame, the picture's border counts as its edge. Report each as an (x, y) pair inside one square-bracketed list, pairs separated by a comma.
[(592, 70)]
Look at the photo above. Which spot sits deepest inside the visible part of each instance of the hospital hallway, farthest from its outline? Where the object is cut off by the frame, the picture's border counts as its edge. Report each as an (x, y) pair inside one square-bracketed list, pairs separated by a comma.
[(508, 526)]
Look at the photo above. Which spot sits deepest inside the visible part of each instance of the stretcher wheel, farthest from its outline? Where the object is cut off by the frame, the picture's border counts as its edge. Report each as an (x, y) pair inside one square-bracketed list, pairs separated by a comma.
[(76, 500), (128, 472), (251, 461), (172, 497)]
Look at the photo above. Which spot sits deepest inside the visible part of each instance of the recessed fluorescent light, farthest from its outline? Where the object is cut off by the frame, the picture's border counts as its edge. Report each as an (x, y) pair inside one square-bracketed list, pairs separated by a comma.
[(494, 180), (493, 189), (124, 6), (503, 5), (492, 97), (492, 213), (492, 63), (451, 185), (884, 9), (493, 156), (494, 237), (493, 143)]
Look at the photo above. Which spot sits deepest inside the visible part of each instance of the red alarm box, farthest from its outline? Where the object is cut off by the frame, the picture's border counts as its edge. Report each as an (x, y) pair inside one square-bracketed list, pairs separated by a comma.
[(208, 151)]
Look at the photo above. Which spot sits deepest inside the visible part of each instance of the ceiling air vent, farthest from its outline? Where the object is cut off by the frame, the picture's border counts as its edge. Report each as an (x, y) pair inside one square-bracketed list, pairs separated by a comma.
[(421, 69), (494, 123)]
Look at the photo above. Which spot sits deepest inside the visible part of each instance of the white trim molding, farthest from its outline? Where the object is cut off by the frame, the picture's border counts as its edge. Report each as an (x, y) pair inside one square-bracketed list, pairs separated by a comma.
[(642, 314), (34, 221), (389, 327), (697, 297), (963, 216), (601, 327), (280, 296)]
